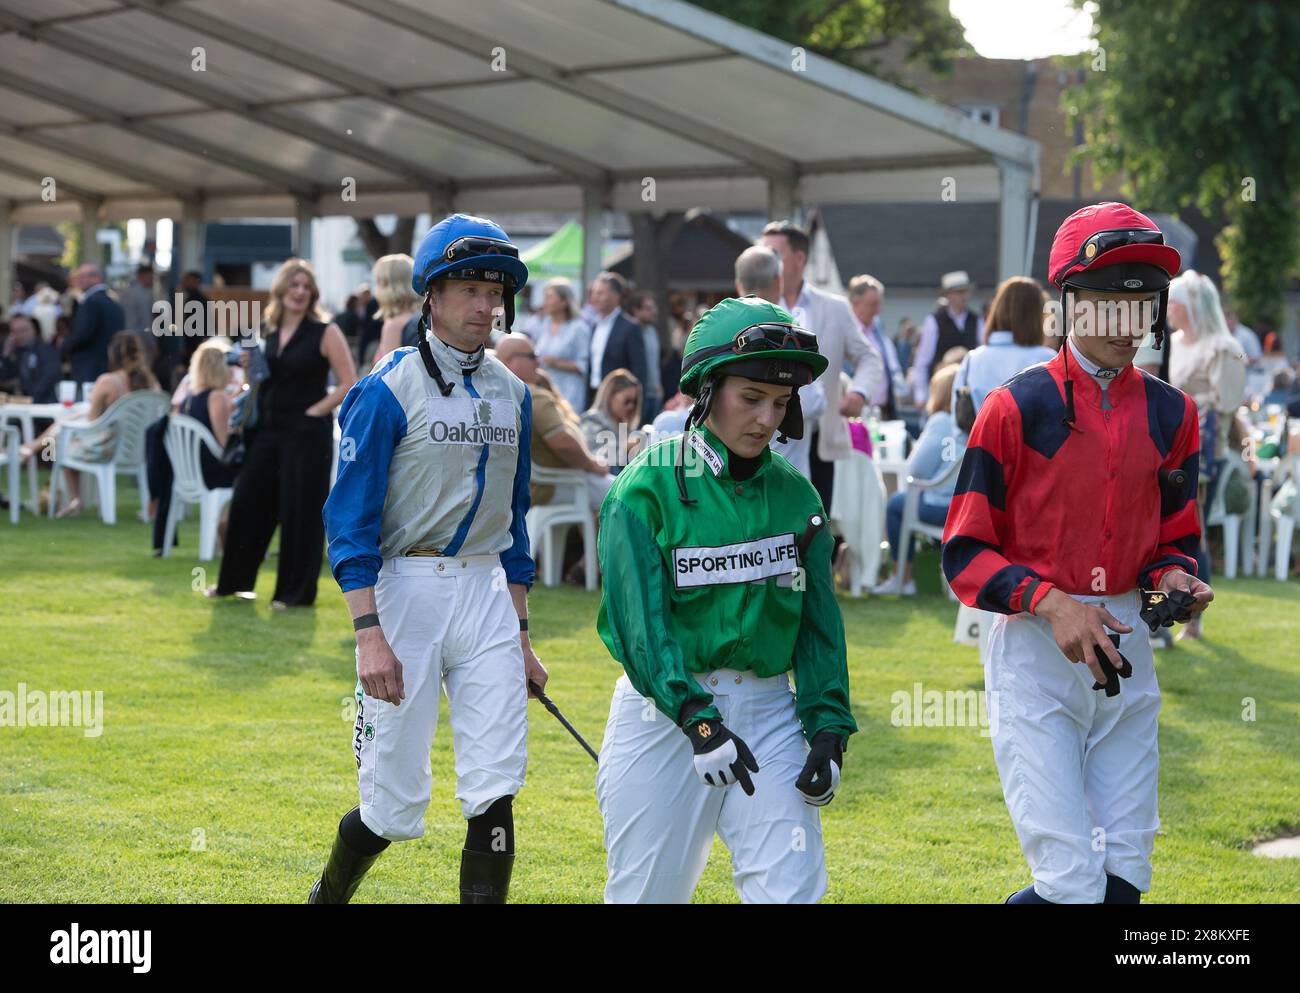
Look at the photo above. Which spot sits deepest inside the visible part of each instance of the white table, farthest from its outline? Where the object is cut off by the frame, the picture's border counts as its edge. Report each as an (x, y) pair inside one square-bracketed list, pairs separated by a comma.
[(858, 512), (890, 453), (25, 415), (896, 468)]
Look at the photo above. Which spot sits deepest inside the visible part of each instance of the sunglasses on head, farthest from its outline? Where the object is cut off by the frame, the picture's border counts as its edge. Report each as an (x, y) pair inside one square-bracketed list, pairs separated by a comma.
[(770, 337), (474, 245)]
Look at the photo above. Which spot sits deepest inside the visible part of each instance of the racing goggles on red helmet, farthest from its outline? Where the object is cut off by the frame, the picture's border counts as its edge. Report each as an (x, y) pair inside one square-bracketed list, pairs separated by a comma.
[(1100, 242), (472, 246), (773, 337)]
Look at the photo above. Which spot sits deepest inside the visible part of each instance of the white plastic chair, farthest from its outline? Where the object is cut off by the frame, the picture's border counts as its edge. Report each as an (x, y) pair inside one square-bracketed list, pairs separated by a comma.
[(185, 440), (127, 420), (1284, 523), (912, 523), (570, 505), (10, 438), (1238, 541)]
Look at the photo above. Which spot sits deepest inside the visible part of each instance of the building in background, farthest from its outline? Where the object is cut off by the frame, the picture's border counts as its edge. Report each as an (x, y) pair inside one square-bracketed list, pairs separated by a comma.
[(909, 245)]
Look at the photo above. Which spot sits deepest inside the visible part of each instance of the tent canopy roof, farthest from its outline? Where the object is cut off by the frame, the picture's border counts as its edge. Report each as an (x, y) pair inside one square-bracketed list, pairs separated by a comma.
[(245, 108)]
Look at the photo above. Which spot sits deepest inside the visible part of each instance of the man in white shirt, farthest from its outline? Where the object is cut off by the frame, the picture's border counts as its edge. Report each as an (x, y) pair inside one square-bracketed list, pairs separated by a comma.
[(866, 297), (949, 326), (758, 273), (828, 316)]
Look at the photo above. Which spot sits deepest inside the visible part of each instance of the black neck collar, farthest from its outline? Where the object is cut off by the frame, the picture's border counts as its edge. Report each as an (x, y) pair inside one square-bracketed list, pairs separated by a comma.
[(742, 468)]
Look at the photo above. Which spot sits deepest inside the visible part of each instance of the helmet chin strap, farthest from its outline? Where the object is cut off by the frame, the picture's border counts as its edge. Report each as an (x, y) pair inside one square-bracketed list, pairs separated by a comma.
[(792, 425), (468, 361), (698, 415), (1068, 419), (426, 352)]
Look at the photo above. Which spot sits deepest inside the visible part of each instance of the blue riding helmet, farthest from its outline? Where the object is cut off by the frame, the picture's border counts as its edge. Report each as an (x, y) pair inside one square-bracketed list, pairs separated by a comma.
[(462, 246)]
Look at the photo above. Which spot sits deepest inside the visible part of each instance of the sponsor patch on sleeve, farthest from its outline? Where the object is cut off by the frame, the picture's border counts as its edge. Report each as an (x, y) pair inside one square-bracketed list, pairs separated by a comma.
[(743, 562)]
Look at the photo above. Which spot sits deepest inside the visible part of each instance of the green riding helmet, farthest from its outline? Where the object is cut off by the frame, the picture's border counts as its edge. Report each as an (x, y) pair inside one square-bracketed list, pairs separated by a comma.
[(755, 339)]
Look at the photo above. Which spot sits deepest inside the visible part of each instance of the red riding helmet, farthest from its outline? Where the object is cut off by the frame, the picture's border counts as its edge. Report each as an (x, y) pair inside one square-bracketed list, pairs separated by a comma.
[(1108, 234)]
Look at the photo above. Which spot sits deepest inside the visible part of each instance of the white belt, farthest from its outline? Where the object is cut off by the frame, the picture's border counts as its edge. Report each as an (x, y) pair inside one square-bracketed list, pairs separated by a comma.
[(441, 565), (1129, 598), (735, 682)]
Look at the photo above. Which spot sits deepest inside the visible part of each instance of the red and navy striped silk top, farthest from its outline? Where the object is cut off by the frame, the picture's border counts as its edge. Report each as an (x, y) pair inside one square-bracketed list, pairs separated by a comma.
[(1039, 504)]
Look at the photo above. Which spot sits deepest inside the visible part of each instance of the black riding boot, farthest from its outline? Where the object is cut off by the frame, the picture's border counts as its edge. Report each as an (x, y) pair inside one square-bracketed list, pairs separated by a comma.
[(342, 874), (484, 876)]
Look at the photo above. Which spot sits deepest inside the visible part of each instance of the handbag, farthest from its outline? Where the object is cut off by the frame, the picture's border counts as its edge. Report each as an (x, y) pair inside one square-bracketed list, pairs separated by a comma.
[(242, 416), (964, 410), (232, 456), (1236, 495)]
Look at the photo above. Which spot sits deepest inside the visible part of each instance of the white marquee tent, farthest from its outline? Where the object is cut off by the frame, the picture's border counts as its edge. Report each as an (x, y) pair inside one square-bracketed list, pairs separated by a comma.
[(201, 110)]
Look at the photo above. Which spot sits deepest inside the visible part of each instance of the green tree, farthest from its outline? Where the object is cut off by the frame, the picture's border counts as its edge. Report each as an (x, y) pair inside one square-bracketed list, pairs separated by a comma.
[(1198, 102), (856, 32), (71, 232)]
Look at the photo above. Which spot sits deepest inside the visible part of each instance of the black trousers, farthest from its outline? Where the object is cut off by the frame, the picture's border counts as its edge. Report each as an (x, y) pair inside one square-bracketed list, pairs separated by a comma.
[(823, 473), (823, 480), (284, 482)]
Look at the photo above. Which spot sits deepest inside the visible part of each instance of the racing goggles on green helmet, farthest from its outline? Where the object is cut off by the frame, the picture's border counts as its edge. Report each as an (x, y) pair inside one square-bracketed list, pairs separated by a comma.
[(756, 339), (473, 246), (770, 337)]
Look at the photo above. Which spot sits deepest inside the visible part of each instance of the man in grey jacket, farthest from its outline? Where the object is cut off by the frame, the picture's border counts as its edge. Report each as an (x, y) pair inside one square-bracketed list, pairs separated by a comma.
[(829, 317)]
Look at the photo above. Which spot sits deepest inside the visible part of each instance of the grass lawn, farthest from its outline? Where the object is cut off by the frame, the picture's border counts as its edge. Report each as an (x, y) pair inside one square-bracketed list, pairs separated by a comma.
[(226, 761)]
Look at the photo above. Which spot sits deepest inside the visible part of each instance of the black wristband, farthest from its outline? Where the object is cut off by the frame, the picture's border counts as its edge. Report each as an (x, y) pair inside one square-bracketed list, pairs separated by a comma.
[(1027, 598), (835, 741), (365, 621), (689, 709), (523, 624)]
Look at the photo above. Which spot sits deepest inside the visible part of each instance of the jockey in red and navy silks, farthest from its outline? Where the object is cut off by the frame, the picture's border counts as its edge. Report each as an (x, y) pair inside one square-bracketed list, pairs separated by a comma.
[(1039, 505), (1077, 491)]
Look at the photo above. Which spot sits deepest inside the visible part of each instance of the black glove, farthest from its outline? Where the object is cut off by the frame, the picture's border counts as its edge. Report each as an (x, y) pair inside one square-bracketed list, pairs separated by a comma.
[(721, 758), (821, 772), (1112, 675), (1161, 609)]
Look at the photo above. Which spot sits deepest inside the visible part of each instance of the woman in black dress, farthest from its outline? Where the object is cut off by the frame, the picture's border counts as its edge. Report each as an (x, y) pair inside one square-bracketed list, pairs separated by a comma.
[(286, 473)]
